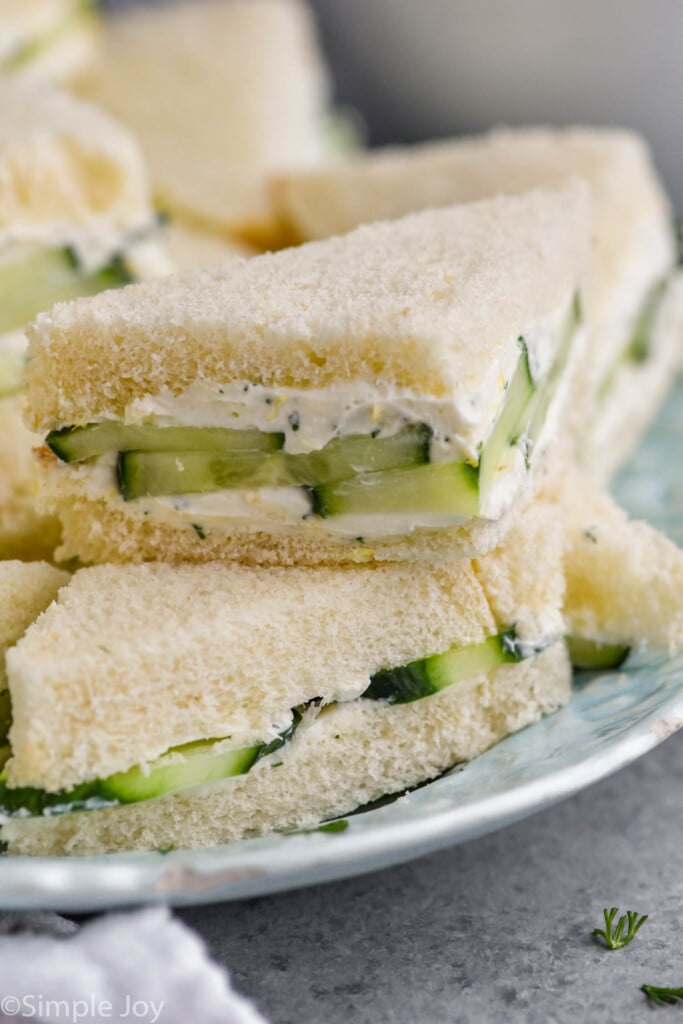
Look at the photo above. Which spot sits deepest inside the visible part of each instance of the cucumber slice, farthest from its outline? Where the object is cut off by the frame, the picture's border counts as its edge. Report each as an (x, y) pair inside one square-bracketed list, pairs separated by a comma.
[(37, 283), (344, 457), (156, 474), (201, 765), (430, 675), (540, 403), (510, 423), (440, 488), (75, 444), (151, 474), (11, 373), (591, 654)]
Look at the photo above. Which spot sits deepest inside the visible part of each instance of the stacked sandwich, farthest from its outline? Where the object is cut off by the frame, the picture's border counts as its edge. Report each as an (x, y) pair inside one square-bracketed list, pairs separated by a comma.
[(220, 94), (327, 406), (75, 218), (327, 499)]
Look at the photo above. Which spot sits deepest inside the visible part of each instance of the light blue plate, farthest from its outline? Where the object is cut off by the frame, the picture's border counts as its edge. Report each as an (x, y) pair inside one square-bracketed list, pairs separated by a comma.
[(612, 720)]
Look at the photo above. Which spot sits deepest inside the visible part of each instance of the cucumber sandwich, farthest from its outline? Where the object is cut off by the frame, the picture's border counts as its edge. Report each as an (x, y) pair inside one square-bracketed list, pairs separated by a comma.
[(75, 219), (220, 95), (47, 40), (633, 296), (138, 725), (388, 394)]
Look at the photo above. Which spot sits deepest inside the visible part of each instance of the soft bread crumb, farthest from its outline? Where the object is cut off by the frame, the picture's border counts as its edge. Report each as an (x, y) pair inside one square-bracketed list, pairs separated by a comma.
[(350, 755), (26, 589)]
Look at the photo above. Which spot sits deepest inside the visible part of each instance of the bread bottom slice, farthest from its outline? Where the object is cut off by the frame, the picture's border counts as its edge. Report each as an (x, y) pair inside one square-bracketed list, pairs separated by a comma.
[(24, 533), (347, 756), (636, 395)]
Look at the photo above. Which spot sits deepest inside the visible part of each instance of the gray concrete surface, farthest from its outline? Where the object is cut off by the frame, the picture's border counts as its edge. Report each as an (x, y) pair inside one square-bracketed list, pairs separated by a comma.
[(497, 930)]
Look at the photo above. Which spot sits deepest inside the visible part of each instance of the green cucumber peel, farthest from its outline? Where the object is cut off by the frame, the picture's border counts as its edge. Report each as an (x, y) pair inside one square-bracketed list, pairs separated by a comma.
[(428, 676)]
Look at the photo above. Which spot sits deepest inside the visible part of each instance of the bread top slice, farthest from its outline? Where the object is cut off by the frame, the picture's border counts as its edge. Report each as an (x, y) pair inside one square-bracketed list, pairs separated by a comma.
[(220, 95), (633, 242), (26, 589), (434, 303), (132, 660), (69, 174)]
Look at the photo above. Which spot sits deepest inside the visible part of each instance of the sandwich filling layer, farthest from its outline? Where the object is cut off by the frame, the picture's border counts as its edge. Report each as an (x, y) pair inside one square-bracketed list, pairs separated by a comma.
[(353, 459), (205, 761)]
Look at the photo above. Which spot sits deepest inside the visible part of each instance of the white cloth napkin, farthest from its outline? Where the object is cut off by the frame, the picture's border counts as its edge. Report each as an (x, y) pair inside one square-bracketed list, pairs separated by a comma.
[(143, 968)]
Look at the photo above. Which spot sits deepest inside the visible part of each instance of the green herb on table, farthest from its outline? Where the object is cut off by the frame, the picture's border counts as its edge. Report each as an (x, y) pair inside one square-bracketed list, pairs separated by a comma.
[(662, 996), (614, 937)]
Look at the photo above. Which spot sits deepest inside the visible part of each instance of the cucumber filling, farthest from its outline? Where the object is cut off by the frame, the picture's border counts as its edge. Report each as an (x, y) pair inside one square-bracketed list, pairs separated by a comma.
[(354, 475), (200, 762), (639, 347), (36, 283)]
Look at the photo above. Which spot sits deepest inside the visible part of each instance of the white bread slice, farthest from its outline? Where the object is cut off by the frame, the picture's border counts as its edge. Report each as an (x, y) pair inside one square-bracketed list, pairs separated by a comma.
[(47, 40), (220, 95), (132, 660), (69, 174), (23, 532), (189, 248), (350, 310), (624, 579), (350, 755), (433, 302), (26, 589)]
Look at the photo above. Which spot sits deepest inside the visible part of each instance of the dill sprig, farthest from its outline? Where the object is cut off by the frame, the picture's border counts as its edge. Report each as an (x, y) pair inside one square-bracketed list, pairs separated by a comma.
[(626, 927), (662, 996)]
